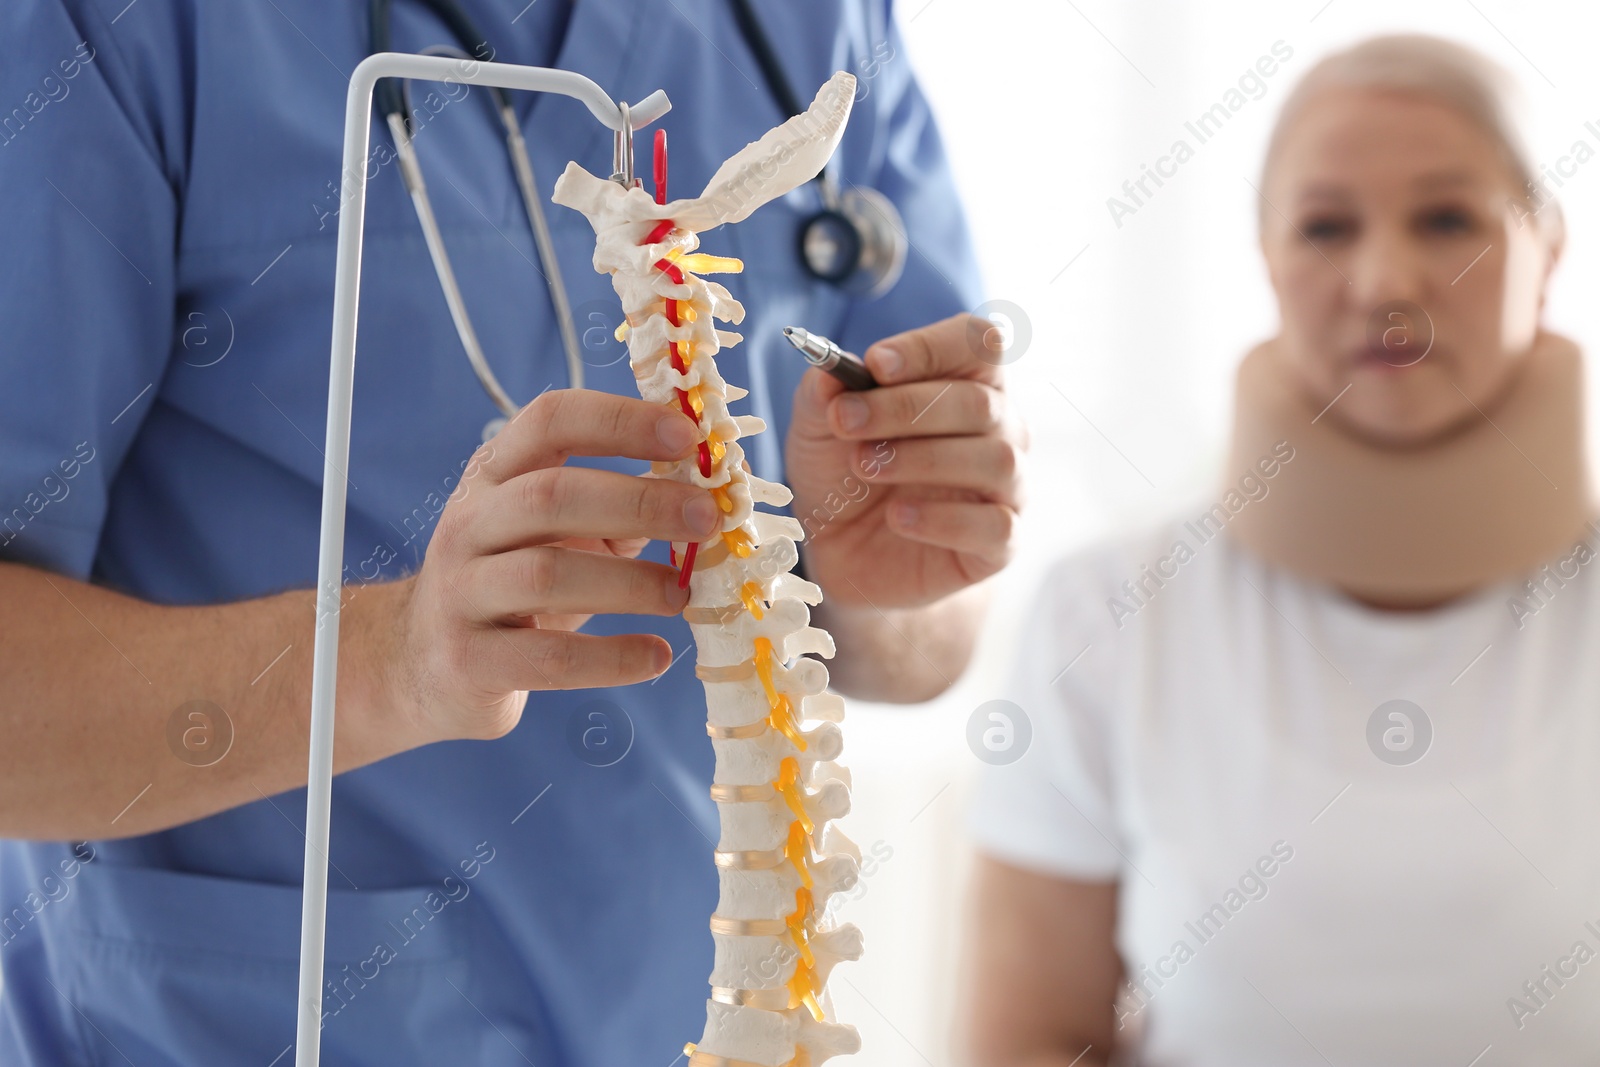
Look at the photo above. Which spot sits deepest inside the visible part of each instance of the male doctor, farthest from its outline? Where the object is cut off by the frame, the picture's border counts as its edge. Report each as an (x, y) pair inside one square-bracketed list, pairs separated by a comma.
[(521, 845)]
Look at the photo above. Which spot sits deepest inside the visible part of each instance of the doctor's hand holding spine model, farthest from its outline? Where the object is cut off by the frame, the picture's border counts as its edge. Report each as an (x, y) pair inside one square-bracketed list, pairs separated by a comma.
[(520, 856)]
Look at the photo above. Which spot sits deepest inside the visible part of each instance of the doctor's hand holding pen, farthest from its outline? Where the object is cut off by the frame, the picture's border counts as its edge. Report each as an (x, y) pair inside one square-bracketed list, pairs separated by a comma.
[(909, 494)]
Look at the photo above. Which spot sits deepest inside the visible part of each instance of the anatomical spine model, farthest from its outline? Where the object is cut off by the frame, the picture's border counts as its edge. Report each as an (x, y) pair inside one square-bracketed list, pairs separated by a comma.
[(776, 784)]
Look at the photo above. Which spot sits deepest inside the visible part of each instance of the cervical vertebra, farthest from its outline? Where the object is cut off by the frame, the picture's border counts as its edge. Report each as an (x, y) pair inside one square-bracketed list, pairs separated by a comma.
[(776, 784)]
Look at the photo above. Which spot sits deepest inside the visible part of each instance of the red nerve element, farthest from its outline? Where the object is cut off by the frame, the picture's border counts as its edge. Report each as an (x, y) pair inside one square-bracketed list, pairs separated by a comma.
[(673, 271), (661, 166), (688, 564)]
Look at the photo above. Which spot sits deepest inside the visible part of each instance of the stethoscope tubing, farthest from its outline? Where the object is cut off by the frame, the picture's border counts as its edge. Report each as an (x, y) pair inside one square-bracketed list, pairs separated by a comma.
[(527, 185), (888, 245)]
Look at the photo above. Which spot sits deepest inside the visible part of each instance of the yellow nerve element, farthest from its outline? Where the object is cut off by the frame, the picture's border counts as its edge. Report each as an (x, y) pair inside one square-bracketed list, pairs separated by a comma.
[(700, 263), (798, 929), (782, 717), (763, 659), (750, 593), (803, 990), (797, 850), (738, 543), (788, 786), (782, 720)]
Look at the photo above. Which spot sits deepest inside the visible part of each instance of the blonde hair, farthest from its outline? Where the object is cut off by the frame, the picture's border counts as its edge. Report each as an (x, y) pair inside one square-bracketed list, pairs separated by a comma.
[(1473, 85)]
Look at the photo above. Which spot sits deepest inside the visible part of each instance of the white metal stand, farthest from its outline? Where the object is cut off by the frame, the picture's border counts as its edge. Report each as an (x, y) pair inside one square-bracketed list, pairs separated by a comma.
[(341, 371)]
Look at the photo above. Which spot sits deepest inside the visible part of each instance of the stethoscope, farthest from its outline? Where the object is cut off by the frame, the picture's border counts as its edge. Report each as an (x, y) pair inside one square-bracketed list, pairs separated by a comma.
[(856, 241)]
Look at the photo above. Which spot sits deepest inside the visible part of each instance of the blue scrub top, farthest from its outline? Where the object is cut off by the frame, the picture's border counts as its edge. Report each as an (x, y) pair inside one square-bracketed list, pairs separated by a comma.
[(169, 173)]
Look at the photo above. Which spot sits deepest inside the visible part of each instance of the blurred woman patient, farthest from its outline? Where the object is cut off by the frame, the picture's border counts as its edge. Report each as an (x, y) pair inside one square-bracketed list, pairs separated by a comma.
[(1315, 767)]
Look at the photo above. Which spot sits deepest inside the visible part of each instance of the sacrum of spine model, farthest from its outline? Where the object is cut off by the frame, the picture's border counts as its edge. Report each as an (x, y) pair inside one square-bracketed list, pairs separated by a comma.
[(777, 785)]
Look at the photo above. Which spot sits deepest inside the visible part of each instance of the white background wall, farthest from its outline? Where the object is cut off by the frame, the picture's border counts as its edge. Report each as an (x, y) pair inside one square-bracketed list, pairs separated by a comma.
[(1047, 107)]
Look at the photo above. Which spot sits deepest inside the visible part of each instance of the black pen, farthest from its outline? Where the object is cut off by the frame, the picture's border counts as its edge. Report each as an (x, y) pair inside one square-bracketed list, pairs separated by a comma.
[(823, 353)]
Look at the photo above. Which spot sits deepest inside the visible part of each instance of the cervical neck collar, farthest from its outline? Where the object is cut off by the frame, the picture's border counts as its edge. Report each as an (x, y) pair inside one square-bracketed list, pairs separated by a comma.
[(1412, 526)]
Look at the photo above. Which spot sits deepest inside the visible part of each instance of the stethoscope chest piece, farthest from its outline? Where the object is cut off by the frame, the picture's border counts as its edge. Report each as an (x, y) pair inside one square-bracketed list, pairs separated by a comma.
[(857, 241)]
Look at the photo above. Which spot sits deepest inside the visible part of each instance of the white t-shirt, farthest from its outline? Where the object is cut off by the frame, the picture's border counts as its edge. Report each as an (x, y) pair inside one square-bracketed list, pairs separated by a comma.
[(1286, 895)]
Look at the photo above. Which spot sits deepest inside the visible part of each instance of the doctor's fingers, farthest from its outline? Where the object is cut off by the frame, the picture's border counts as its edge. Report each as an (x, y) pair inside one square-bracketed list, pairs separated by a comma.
[(577, 502), (582, 422), (919, 409), (546, 580), (961, 346), (989, 466), (506, 658), (983, 534)]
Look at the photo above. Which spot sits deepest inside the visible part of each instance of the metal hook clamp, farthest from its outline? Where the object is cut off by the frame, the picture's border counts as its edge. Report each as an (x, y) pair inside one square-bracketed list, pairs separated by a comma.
[(622, 153)]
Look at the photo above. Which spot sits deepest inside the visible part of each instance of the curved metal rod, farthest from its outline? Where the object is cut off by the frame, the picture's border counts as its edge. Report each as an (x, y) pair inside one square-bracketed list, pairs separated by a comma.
[(336, 453), (506, 76)]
